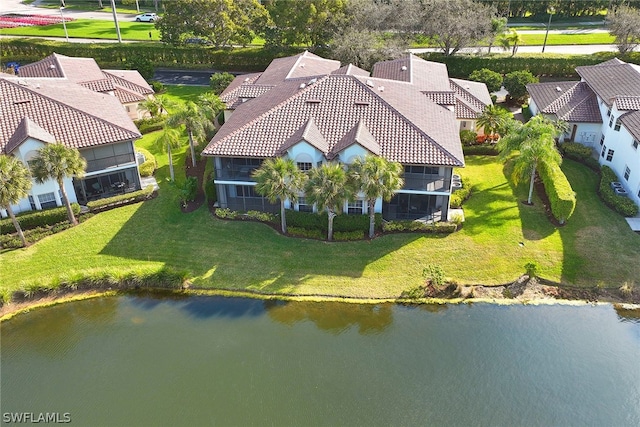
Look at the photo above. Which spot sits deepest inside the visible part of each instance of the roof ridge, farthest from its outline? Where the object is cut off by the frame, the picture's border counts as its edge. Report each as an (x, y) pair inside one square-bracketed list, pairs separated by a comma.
[(143, 89), (469, 94), (406, 119), (70, 106)]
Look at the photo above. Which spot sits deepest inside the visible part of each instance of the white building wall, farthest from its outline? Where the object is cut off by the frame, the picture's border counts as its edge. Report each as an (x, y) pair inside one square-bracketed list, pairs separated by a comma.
[(625, 155), (587, 133)]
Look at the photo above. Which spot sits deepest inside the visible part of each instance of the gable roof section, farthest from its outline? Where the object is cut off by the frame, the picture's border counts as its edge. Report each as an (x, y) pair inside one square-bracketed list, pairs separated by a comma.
[(27, 128), (126, 96), (631, 122), (569, 101), (97, 120), (74, 69), (303, 65), (425, 75), (352, 70), (310, 133), (610, 80), (102, 85), (359, 134), (407, 127), (129, 79)]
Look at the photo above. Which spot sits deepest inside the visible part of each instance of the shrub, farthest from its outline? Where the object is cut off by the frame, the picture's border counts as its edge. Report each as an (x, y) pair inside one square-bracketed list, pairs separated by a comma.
[(418, 226), (150, 124), (580, 153), (458, 197), (481, 150), (209, 186), (434, 275), (226, 213), (305, 232), (348, 235), (531, 268), (120, 199), (220, 81), (492, 79), (561, 196), (149, 165), (467, 137), (515, 83), (261, 216), (414, 293), (622, 205), (341, 223), (188, 190), (35, 219), (158, 87)]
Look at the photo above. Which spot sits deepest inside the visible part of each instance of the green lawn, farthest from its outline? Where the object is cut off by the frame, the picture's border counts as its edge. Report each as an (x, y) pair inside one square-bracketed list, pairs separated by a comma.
[(595, 247), (538, 40), (89, 29)]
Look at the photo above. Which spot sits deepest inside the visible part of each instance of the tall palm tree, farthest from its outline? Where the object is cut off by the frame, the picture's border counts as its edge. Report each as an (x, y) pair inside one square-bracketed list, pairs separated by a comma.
[(511, 41), (15, 183), (57, 162), (498, 27), (279, 179), (156, 106), (212, 105), (536, 145), (168, 139), (494, 119), (195, 122), (376, 178), (327, 187)]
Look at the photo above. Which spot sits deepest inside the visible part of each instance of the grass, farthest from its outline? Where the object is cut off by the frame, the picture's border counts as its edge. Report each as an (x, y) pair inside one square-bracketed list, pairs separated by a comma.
[(595, 247), (89, 29), (91, 5), (552, 40)]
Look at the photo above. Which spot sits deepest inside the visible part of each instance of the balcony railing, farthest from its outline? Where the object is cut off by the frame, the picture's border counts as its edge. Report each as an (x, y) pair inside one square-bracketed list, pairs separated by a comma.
[(420, 182)]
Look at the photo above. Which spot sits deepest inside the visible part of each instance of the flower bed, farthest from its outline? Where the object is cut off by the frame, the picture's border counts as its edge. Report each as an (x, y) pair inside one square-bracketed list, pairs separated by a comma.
[(12, 21)]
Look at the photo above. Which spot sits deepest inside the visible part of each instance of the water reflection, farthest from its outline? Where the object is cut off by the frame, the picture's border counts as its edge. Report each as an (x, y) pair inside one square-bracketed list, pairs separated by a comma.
[(628, 314), (63, 327), (334, 317)]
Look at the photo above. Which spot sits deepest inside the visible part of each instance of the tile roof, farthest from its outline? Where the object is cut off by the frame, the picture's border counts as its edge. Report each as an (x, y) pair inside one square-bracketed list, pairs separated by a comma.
[(130, 79), (102, 85), (56, 65), (27, 128), (303, 65), (359, 134), (625, 103), (610, 80), (426, 76), (126, 96), (569, 101), (310, 133), (442, 98), (475, 92), (242, 93), (408, 127), (75, 116), (631, 122), (352, 70)]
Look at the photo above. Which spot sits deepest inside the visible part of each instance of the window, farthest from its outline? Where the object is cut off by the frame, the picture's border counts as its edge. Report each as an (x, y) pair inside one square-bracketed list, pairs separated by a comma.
[(609, 113), (303, 206), (32, 202), (635, 144), (304, 166), (47, 200), (422, 170), (604, 150), (617, 126), (601, 140), (611, 121), (246, 191), (627, 172), (609, 155), (355, 207)]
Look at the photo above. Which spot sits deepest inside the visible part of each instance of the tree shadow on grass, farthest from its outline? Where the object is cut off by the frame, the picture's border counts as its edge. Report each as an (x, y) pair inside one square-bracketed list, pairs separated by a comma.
[(239, 255)]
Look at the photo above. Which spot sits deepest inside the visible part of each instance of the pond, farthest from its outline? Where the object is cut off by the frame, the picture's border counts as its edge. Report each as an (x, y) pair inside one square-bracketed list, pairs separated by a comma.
[(152, 360)]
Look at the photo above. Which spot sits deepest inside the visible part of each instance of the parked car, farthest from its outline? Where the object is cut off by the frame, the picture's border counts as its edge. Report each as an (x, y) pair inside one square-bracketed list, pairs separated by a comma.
[(146, 17)]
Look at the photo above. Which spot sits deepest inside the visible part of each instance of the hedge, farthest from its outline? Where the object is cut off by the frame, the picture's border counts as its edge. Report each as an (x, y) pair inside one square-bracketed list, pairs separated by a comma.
[(12, 241), (149, 165), (458, 197), (561, 196), (419, 226), (114, 55), (35, 219), (580, 153), (461, 66), (341, 223), (121, 199), (620, 204), (481, 150)]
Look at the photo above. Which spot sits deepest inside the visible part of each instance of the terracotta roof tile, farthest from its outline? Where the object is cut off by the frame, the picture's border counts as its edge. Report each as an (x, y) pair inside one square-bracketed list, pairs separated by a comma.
[(424, 75), (129, 79), (352, 70), (359, 134), (626, 103), (27, 129), (102, 85), (612, 80), (303, 65), (569, 101), (126, 96), (631, 122), (310, 133)]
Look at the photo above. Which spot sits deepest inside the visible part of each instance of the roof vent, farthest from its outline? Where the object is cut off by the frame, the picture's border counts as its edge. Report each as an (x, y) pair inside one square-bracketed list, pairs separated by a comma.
[(313, 101), (37, 85), (312, 81), (369, 83), (302, 65), (381, 88), (52, 66), (403, 68), (558, 89), (302, 86), (361, 102), (246, 79), (21, 101), (22, 82)]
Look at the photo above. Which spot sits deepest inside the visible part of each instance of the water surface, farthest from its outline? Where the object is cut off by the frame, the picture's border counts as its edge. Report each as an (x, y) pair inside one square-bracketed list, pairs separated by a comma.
[(224, 361)]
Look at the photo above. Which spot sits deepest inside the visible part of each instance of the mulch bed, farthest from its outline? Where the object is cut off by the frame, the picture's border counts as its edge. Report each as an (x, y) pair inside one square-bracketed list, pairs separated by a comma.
[(198, 172)]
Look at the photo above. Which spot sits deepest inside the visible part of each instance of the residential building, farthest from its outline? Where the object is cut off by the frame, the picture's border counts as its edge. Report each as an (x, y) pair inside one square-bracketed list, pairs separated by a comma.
[(314, 111), (128, 86), (39, 111), (602, 111)]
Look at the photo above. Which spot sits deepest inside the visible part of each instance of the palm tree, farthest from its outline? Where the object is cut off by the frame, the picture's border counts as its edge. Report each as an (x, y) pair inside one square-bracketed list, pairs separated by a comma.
[(327, 188), (57, 162), (279, 179), (511, 41), (156, 106), (536, 144), (498, 27), (211, 104), (167, 139), (195, 122), (494, 119), (15, 183), (377, 178)]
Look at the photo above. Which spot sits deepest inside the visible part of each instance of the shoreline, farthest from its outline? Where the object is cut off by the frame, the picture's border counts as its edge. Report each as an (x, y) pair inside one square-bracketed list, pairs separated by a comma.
[(523, 291)]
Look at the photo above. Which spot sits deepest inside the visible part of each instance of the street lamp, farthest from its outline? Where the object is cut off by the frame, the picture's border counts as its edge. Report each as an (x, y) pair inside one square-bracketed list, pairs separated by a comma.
[(66, 34), (115, 19), (551, 11)]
